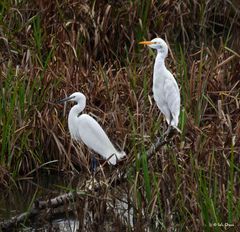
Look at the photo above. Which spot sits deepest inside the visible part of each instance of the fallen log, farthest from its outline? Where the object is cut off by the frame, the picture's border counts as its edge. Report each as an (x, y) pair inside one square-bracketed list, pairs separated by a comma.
[(37, 207)]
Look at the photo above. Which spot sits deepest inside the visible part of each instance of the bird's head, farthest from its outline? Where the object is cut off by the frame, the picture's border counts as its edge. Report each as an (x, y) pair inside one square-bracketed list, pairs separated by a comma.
[(158, 44), (76, 97)]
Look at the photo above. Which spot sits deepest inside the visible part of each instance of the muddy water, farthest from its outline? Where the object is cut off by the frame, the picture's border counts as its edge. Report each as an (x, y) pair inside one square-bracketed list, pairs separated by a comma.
[(19, 197)]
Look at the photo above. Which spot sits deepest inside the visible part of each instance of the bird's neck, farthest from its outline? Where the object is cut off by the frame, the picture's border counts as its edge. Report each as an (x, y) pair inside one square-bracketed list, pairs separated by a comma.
[(75, 111), (159, 63), (78, 108)]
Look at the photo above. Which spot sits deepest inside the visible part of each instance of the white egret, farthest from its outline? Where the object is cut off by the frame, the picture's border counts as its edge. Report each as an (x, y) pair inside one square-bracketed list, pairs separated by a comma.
[(165, 89), (85, 128)]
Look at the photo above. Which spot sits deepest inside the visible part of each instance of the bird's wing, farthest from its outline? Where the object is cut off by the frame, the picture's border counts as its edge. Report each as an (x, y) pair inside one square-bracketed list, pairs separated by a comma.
[(94, 136), (172, 96)]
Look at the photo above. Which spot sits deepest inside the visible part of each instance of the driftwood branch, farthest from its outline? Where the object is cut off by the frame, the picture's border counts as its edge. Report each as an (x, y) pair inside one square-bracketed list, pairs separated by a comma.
[(159, 143), (39, 206)]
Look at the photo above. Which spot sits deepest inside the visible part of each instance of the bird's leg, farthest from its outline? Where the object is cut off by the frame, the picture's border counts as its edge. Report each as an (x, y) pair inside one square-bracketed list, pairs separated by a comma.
[(166, 133), (169, 129), (93, 165)]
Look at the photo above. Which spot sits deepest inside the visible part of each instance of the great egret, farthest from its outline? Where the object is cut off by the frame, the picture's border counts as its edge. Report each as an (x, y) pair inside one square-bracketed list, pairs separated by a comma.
[(165, 89), (85, 128)]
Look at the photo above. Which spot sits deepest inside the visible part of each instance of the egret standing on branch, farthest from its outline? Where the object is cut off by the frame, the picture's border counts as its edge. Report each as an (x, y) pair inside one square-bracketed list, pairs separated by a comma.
[(85, 128), (165, 89)]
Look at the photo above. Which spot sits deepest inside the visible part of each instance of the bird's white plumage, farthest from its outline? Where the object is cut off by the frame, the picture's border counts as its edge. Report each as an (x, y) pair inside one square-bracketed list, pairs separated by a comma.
[(165, 89), (85, 128)]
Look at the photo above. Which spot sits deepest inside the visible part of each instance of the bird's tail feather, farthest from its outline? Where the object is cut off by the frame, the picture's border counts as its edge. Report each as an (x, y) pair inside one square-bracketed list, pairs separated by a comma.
[(178, 130), (115, 157), (121, 154)]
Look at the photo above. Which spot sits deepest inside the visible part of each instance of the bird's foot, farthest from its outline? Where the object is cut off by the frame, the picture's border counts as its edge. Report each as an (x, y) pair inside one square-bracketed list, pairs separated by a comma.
[(167, 132), (91, 184), (170, 131)]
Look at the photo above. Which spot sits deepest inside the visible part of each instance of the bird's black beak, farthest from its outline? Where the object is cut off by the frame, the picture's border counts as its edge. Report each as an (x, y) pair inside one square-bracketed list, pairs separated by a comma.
[(64, 99)]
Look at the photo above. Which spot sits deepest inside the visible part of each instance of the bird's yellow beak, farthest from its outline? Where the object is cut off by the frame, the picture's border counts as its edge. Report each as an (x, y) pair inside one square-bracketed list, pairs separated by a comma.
[(146, 42)]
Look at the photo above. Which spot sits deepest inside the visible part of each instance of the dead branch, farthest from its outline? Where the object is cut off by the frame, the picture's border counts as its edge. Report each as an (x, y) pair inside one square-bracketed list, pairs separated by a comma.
[(37, 207)]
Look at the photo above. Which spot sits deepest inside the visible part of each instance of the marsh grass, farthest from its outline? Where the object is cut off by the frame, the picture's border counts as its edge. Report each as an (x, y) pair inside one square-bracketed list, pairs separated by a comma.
[(50, 49)]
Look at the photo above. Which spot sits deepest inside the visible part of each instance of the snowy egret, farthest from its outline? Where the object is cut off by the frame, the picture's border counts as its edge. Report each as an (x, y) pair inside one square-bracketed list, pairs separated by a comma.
[(85, 128), (165, 89)]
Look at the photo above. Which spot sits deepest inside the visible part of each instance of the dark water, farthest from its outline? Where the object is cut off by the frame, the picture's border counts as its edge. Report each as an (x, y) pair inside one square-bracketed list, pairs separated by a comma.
[(19, 197)]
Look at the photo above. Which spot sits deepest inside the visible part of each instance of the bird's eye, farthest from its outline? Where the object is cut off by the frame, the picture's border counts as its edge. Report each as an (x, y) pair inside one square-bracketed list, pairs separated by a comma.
[(158, 43)]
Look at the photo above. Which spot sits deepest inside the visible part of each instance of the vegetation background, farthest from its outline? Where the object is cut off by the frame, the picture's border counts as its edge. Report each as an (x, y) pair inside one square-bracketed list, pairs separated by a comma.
[(50, 49)]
